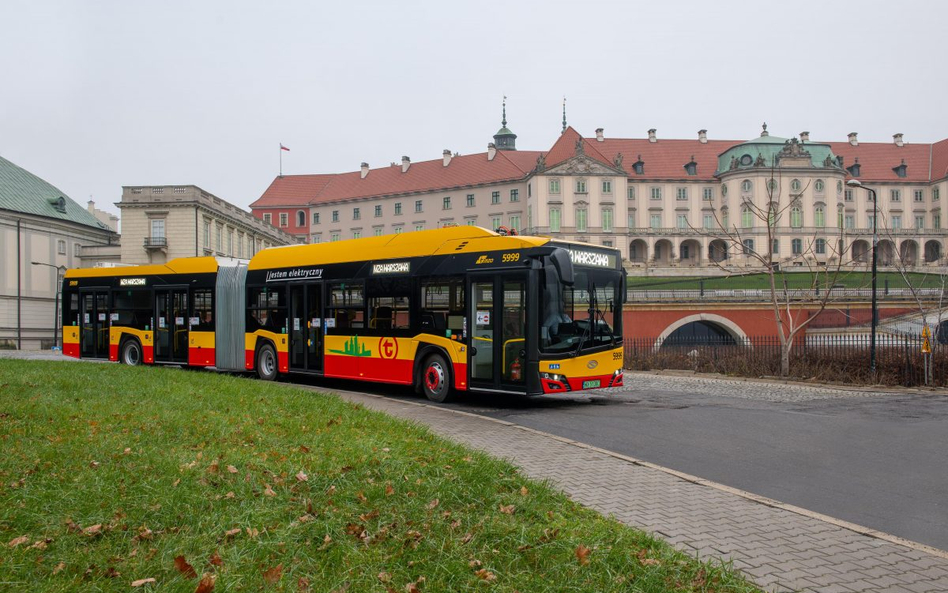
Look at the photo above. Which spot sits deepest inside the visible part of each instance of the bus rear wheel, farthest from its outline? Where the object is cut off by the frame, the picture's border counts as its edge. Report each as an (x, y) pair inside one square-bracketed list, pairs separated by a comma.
[(267, 363), (436, 379), (131, 353)]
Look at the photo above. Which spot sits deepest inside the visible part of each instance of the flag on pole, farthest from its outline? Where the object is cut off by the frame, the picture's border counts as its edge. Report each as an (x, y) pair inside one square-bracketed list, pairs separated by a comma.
[(284, 148)]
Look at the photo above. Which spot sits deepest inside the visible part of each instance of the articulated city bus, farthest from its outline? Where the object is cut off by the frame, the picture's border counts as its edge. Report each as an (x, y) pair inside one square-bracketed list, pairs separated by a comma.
[(448, 310)]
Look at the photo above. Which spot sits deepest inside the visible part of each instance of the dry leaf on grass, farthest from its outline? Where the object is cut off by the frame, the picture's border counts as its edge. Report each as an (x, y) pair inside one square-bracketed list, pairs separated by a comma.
[(93, 530), (301, 477), (433, 503), (231, 469), (273, 575), (232, 532), (389, 490), (184, 568), (143, 582), (19, 541), (507, 509), (485, 574), (59, 567), (268, 491), (206, 584), (215, 559), (582, 554), (524, 491)]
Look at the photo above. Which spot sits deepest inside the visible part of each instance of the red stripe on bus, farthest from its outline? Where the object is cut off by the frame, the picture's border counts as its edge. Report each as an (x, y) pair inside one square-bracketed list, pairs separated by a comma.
[(201, 357), (71, 350), (248, 359), (149, 353)]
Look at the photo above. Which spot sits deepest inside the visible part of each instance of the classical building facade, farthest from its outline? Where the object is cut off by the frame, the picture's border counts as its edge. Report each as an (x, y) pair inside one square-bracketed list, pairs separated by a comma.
[(673, 203), (42, 232), (162, 222)]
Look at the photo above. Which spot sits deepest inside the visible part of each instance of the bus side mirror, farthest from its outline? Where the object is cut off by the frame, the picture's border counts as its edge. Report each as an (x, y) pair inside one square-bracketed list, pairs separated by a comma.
[(563, 265)]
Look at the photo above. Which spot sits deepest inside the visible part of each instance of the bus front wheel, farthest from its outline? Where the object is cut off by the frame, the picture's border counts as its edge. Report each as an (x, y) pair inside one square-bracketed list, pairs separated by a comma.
[(131, 353), (436, 379), (267, 363)]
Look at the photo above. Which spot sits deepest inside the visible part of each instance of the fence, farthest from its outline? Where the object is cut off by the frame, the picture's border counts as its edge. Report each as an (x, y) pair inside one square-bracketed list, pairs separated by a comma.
[(831, 358), (637, 295)]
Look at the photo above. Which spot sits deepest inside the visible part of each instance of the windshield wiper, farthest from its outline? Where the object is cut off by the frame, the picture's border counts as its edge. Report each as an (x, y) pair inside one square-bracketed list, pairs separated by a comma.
[(592, 319)]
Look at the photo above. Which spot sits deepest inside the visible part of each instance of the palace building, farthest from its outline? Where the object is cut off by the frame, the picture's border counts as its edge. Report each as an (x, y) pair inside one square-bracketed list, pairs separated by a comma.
[(665, 203)]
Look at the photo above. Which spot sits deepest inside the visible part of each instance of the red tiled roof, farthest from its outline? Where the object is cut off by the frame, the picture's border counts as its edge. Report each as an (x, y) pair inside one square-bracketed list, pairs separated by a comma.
[(565, 148), (292, 190), (877, 160), (940, 160), (666, 159)]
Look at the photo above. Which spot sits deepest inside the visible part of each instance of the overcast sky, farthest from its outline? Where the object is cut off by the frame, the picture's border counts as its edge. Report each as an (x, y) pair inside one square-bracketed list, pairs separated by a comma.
[(103, 94)]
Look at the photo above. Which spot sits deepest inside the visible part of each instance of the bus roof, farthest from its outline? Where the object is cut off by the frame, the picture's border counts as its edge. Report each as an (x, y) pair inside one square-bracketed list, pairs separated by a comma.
[(181, 265), (449, 240)]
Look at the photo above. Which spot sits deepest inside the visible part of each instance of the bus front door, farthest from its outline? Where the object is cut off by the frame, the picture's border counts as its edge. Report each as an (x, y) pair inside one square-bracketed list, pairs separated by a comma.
[(497, 319), (94, 325), (306, 327), (171, 325)]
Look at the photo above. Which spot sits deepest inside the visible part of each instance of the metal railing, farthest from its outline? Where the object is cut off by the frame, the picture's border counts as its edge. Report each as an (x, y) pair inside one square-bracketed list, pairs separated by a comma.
[(156, 242), (793, 294)]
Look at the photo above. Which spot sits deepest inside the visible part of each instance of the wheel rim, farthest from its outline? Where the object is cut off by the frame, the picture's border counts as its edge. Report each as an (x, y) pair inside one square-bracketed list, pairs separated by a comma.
[(267, 363), (434, 378), (132, 356)]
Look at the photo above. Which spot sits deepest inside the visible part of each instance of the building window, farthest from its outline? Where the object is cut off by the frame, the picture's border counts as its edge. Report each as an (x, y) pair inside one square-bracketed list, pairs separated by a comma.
[(61, 247), (554, 186), (470, 200), (775, 247), (515, 222), (709, 221), (333, 237), (936, 221), (656, 193), (220, 239), (356, 234), (746, 186), (748, 245), (284, 220), (446, 203), (724, 218), (356, 214), (471, 222), (607, 220), (554, 220), (708, 194), (896, 223), (796, 185), (797, 246), (681, 194), (398, 208), (682, 221), (158, 228), (919, 195), (848, 195), (230, 242), (895, 195), (207, 234), (871, 221), (335, 216), (419, 206), (919, 222), (317, 239), (820, 247), (580, 186), (936, 194), (267, 218), (300, 218), (747, 218), (819, 186), (157, 190), (378, 210), (796, 217), (240, 245), (580, 220), (607, 187), (850, 221), (655, 221), (495, 197), (515, 195), (631, 192), (378, 231), (495, 222), (685, 252), (398, 230), (315, 217), (631, 219)]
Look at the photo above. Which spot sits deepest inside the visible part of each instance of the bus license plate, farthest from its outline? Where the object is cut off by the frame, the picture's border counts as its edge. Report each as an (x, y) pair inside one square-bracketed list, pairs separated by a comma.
[(590, 384)]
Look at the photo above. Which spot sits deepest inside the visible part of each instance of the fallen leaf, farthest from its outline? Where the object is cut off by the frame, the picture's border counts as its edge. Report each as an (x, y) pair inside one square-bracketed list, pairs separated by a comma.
[(273, 575), (582, 554), (19, 541), (650, 561), (93, 530), (127, 451), (94, 464), (41, 544), (304, 449), (524, 491), (112, 573), (412, 588), (206, 584), (230, 494), (356, 530), (268, 491), (507, 509), (215, 559), (474, 563), (385, 577), (143, 534), (361, 496), (386, 449), (232, 532), (301, 477), (59, 567), (142, 582), (184, 568), (369, 516), (213, 468), (467, 537), (485, 575), (389, 490), (175, 483), (253, 532), (231, 469), (302, 584), (433, 503)]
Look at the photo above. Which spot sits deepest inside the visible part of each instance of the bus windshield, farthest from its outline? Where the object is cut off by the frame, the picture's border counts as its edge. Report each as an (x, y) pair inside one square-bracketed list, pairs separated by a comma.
[(579, 317)]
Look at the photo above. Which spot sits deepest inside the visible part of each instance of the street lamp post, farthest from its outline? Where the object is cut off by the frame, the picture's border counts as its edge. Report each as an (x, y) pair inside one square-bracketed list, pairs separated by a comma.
[(875, 249), (59, 272)]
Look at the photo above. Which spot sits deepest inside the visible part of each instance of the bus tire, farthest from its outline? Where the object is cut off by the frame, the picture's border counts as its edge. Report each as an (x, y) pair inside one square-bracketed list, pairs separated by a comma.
[(131, 352), (267, 365), (436, 379)]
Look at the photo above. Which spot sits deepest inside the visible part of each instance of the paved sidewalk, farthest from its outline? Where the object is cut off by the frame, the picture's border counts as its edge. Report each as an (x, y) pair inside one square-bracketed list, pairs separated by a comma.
[(780, 547)]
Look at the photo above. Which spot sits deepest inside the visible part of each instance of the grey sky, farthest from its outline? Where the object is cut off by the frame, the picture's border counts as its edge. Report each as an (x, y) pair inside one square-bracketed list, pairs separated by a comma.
[(103, 94)]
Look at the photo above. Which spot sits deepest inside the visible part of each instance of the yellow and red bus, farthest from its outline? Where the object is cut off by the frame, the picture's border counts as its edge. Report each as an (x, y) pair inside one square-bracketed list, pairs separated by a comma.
[(446, 311)]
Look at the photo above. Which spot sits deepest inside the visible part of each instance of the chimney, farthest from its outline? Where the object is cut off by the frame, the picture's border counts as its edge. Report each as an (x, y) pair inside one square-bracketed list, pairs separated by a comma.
[(651, 135), (365, 170), (898, 140), (91, 206), (599, 137), (703, 136), (804, 136), (406, 162), (447, 157), (491, 151), (852, 139)]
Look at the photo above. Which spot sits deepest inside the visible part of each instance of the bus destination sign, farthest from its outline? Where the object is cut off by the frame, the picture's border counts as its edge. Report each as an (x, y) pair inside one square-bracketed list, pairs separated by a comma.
[(132, 282), (401, 267), (592, 259)]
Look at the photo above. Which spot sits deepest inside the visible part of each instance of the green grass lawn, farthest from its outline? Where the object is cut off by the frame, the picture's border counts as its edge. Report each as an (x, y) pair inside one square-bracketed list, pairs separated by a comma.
[(794, 280), (111, 475)]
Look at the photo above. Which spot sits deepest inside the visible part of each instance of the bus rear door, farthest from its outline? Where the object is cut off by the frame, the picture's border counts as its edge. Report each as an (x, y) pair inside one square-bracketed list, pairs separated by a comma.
[(94, 324), (171, 325), (497, 318), (306, 327)]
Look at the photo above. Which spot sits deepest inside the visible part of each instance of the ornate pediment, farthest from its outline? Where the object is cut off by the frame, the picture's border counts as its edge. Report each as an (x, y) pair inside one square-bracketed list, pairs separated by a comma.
[(583, 165)]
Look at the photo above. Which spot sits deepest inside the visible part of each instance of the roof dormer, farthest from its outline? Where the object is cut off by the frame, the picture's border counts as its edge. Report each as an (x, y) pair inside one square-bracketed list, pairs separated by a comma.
[(691, 167), (639, 166), (901, 170), (854, 169)]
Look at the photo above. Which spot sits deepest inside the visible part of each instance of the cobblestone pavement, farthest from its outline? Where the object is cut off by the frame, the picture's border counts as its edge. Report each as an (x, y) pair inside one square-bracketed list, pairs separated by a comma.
[(778, 546)]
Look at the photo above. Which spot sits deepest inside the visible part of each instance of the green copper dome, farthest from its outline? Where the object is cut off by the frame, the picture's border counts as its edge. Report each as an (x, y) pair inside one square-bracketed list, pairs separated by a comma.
[(767, 151)]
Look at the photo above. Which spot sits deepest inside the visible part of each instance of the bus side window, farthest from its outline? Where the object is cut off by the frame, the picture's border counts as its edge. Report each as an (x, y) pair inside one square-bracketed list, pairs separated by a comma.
[(202, 310), (72, 309), (389, 303), (442, 306), (347, 305)]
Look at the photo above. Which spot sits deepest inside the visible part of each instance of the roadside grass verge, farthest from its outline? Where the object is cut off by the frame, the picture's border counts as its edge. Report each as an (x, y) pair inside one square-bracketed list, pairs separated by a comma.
[(111, 475)]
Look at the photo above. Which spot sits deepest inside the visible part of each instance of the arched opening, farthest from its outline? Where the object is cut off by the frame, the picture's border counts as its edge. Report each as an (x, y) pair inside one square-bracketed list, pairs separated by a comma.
[(638, 251), (699, 333), (886, 255), (690, 252), (300, 218), (932, 251), (712, 323), (908, 253), (860, 250), (717, 251), (663, 252)]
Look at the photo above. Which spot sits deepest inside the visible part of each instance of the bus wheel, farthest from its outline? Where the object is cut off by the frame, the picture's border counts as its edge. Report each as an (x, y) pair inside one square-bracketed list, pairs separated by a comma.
[(267, 363), (131, 353), (436, 379)]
